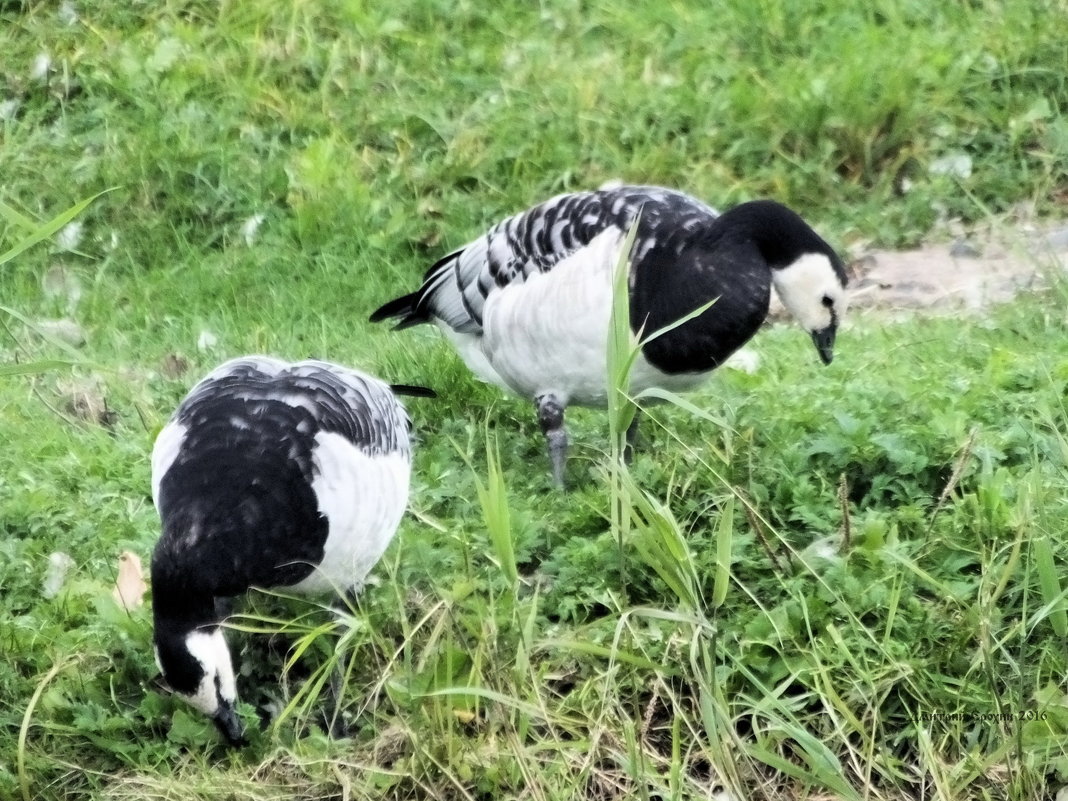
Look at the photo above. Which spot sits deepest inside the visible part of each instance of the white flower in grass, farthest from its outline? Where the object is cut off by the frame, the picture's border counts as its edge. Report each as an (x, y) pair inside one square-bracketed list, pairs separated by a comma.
[(955, 165), (67, 13), (8, 109), (250, 227), (41, 65), (69, 236), (747, 360), (59, 564)]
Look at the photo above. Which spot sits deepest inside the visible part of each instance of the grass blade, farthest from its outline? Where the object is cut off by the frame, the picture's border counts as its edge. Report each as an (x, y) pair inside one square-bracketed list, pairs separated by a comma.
[(45, 230), (24, 729), (1050, 584), (724, 539), (32, 368), (26, 321), (493, 497), (622, 348)]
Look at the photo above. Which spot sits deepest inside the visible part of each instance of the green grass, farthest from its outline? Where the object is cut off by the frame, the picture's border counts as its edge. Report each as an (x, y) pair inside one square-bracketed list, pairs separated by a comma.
[(847, 583)]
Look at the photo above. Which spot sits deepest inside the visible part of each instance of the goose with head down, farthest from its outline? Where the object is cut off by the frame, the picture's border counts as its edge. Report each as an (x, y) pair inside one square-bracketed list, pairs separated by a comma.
[(527, 305)]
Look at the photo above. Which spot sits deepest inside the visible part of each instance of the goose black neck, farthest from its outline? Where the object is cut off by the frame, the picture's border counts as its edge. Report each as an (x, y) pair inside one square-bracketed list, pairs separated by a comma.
[(183, 610), (177, 596), (778, 232), (669, 286), (730, 263)]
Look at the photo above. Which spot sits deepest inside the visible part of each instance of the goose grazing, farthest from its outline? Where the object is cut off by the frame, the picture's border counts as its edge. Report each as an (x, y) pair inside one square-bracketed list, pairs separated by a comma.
[(527, 305), (269, 474)]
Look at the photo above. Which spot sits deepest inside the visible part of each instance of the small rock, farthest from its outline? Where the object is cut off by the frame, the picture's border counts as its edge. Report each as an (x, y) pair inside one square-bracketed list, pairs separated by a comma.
[(59, 564), (206, 341), (964, 249), (59, 282), (64, 330), (1057, 240)]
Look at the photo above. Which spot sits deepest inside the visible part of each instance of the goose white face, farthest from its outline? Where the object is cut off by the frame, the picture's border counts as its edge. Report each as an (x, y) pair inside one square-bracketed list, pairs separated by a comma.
[(811, 291), (217, 687), (215, 693)]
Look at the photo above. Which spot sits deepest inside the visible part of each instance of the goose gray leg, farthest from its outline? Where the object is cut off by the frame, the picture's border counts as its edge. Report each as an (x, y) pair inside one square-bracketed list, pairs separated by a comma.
[(334, 717), (551, 420)]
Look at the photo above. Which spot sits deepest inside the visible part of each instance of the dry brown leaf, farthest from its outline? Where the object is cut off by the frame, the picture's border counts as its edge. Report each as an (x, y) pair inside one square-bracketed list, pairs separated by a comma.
[(174, 365), (84, 399), (130, 586)]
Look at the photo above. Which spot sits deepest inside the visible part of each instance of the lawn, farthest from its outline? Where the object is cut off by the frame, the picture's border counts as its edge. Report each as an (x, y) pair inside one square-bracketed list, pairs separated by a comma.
[(828, 583)]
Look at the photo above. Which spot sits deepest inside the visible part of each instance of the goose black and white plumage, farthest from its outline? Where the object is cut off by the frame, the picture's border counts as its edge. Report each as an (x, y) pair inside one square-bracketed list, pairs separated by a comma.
[(269, 474), (527, 304)]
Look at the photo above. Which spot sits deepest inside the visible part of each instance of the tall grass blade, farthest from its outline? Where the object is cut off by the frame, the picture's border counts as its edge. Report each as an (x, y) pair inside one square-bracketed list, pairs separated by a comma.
[(621, 409), (26, 321), (660, 544), (1050, 585), (493, 497), (24, 729), (724, 540), (43, 231), (32, 368), (621, 345)]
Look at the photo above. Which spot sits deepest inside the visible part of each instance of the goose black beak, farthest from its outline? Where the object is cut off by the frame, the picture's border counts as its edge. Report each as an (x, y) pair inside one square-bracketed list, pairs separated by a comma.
[(824, 342), (229, 724)]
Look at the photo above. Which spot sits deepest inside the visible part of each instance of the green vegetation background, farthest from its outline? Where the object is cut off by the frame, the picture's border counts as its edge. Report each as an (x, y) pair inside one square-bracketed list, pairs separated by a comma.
[(700, 623)]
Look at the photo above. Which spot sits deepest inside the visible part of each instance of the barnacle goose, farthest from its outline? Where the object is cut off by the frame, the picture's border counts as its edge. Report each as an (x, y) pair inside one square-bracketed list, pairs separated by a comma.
[(527, 304), (269, 474)]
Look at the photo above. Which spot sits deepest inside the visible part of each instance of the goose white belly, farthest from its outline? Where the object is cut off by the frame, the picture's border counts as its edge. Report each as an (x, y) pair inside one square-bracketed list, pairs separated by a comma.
[(363, 497), (549, 333), (644, 375)]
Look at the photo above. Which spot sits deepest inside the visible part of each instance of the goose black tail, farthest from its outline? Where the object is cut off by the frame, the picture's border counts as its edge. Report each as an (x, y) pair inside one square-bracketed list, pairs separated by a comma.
[(405, 307), (413, 391)]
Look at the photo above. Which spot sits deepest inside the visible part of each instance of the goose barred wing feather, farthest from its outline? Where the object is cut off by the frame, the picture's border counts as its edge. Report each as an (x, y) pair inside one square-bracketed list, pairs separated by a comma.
[(332, 398), (455, 289)]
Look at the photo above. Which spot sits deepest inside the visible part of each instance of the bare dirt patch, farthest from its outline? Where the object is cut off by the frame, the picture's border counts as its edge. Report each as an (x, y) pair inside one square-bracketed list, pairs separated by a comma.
[(969, 273)]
